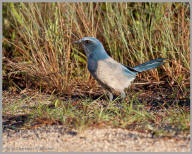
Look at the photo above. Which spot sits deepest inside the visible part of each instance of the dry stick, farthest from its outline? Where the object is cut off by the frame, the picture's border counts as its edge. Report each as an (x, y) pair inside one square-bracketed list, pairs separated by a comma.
[(145, 83), (68, 57)]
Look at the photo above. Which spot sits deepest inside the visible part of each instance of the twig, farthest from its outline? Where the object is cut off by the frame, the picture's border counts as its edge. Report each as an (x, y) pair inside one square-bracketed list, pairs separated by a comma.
[(145, 83)]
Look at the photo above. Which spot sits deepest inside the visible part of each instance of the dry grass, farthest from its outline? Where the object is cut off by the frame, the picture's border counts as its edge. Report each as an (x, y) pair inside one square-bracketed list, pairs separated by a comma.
[(37, 40)]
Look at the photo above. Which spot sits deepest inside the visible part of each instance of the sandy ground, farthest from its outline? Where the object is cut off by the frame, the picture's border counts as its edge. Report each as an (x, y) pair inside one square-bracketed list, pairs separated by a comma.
[(59, 139)]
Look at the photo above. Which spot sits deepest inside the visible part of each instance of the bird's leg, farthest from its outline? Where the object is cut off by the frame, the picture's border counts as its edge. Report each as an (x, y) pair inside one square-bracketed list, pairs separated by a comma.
[(110, 96), (123, 95)]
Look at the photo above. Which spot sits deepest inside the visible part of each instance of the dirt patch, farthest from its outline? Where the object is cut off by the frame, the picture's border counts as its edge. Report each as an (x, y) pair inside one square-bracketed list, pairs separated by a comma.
[(60, 139)]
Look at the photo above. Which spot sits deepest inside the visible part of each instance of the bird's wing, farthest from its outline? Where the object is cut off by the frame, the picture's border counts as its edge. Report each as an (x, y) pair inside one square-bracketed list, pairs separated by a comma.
[(119, 67), (131, 69)]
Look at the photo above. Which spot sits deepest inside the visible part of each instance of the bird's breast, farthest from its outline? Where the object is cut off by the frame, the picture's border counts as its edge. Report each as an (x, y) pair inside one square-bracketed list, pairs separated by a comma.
[(110, 73)]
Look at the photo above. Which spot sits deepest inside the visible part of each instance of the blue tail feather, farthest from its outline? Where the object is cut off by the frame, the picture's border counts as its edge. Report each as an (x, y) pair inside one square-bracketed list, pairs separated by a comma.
[(149, 65)]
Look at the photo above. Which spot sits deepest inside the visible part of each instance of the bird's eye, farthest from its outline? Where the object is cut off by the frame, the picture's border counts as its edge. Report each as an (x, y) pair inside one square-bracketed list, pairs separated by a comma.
[(87, 41)]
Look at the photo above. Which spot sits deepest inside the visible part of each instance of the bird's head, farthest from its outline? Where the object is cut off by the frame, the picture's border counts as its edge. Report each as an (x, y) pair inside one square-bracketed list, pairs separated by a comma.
[(91, 45)]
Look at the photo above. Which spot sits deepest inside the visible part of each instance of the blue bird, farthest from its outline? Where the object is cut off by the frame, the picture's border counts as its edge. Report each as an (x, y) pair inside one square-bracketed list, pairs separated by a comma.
[(109, 73)]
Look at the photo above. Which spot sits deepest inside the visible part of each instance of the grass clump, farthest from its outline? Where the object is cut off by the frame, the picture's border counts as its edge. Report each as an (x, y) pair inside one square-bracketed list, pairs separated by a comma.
[(37, 40)]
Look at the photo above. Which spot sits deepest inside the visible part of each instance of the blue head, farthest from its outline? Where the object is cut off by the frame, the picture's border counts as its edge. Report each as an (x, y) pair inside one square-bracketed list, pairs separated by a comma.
[(93, 48)]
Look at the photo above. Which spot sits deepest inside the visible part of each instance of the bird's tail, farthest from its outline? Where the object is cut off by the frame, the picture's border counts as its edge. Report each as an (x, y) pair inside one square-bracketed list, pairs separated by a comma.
[(149, 65)]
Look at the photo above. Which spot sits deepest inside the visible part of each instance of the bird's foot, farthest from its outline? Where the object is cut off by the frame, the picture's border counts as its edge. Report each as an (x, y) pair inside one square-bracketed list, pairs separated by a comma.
[(110, 96)]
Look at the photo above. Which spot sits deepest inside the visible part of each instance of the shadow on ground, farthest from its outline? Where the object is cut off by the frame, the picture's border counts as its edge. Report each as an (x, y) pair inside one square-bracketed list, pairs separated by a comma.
[(14, 122)]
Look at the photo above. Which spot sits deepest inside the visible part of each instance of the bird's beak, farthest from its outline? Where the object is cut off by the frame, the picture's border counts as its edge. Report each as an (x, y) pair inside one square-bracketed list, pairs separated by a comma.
[(77, 41)]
